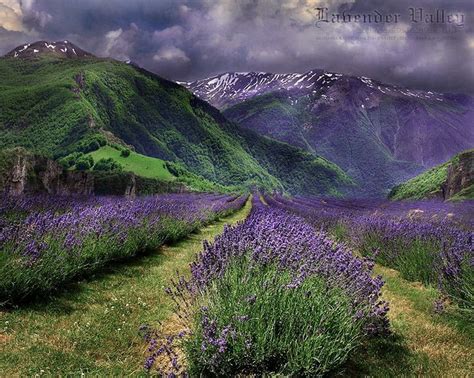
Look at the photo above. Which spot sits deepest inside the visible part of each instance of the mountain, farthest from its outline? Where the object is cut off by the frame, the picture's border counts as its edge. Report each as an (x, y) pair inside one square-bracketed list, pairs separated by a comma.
[(452, 180), (57, 99), (63, 49), (379, 134), (230, 88)]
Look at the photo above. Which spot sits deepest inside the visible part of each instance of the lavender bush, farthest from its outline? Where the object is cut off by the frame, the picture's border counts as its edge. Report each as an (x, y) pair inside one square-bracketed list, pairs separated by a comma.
[(272, 295), (46, 241)]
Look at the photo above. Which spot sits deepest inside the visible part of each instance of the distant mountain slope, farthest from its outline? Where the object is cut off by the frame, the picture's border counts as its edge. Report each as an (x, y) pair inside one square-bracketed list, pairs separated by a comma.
[(56, 103), (451, 180), (230, 88), (379, 134)]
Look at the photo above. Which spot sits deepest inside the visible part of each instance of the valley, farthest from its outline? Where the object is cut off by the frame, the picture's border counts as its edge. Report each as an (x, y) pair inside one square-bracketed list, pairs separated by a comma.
[(246, 224), (379, 134), (98, 101)]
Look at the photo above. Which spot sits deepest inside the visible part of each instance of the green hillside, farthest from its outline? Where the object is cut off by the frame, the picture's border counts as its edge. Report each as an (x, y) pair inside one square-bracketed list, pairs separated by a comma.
[(141, 165), (426, 184), (56, 106), (433, 182), (150, 167)]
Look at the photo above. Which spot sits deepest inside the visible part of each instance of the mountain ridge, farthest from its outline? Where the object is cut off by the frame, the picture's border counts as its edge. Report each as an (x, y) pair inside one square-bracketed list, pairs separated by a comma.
[(59, 106), (380, 134), (229, 88)]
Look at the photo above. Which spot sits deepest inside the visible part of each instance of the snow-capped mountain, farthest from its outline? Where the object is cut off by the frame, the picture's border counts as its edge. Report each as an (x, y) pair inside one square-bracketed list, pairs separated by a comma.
[(59, 48), (230, 88), (380, 134)]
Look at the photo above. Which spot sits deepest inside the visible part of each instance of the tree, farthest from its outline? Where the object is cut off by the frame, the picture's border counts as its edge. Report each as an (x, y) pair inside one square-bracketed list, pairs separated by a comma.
[(70, 160), (84, 163), (125, 152), (107, 165)]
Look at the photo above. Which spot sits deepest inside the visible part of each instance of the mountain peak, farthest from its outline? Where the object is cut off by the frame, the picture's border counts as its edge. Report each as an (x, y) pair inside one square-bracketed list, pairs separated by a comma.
[(65, 49), (230, 88)]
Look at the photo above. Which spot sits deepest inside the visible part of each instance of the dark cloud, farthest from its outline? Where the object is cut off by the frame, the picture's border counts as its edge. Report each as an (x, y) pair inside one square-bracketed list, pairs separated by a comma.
[(185, 40)]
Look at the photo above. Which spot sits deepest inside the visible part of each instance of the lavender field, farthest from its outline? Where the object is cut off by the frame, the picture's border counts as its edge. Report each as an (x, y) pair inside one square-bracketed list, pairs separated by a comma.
[(427, 241), (292, 290), (298, 287), (236, 188), (46, 241)]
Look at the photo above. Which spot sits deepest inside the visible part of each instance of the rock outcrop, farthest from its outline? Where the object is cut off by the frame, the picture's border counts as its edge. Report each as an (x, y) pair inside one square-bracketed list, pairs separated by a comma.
[(460, 175), (22, 172)]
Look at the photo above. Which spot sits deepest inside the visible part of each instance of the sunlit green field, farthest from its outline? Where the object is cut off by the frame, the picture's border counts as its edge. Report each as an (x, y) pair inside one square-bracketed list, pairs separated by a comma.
[(141, 165)]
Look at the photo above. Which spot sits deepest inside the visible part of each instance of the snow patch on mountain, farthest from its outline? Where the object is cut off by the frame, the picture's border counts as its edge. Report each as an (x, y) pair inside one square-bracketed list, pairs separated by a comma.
[(64, 49), (230, 88)]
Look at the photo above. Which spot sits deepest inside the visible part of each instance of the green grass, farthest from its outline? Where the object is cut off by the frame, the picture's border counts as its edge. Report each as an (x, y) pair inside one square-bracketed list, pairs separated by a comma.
[(92, 327), (141, 165), (422, 343)]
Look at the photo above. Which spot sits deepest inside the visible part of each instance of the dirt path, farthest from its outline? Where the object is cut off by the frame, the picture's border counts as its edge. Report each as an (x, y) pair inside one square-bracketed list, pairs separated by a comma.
[(92, 327)]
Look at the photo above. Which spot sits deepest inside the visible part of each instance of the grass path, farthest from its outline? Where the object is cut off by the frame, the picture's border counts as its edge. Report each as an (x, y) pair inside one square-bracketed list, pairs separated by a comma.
[(92, 326), (423, 342)]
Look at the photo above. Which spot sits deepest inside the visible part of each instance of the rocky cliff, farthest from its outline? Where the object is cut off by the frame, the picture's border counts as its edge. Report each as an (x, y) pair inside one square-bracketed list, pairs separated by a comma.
[(460, 177), (453, 180), (22, 172)]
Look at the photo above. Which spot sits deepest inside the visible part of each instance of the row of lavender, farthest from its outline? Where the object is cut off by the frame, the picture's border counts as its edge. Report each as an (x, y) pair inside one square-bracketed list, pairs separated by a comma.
[(431, 242), (270, 295), (45, 241)]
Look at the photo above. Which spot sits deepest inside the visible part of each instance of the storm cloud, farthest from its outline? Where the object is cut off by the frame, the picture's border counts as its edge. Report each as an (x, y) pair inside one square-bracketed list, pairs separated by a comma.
[(187, 40)]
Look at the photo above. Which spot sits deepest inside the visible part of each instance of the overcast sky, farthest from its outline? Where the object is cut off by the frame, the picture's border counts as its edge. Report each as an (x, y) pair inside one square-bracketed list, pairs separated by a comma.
[(192, 39)]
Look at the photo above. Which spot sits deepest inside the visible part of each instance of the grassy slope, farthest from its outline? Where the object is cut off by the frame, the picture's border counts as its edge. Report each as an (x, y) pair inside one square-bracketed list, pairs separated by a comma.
[(429, 183), (41, 111), (93, 326), (157, 117), (298, 170), (141, 165), (423, 185)]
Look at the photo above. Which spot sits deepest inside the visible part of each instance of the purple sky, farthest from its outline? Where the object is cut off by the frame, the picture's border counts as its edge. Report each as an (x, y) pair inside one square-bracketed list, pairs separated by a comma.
[(186, 40)]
